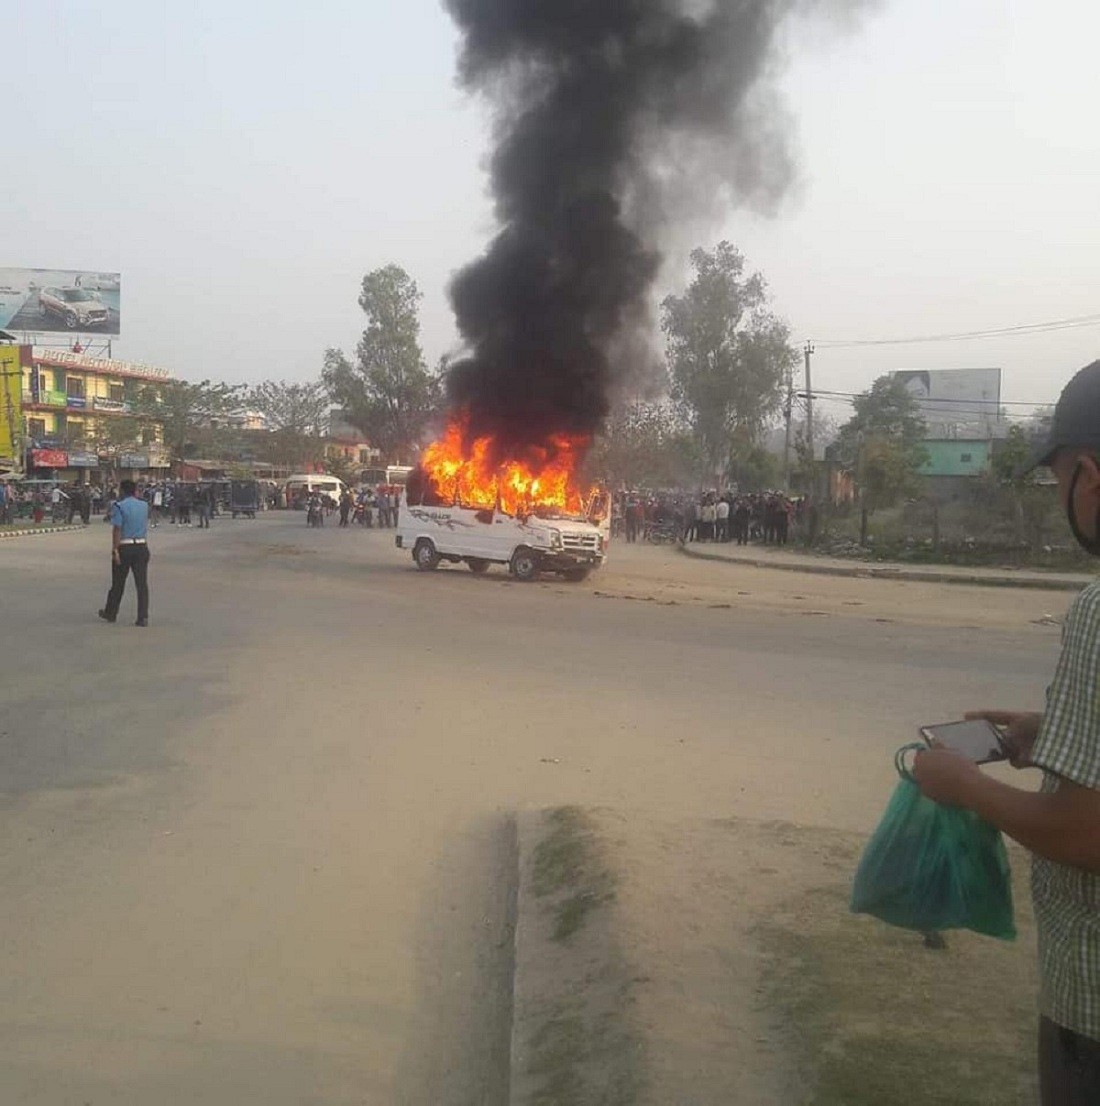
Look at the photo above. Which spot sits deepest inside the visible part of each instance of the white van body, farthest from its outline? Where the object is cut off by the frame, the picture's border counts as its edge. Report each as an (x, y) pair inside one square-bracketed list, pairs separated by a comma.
[(314, 482), (398, 474), (529, 546)]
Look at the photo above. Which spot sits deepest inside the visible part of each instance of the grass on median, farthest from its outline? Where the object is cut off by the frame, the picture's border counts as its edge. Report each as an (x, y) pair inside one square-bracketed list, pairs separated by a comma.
[(582, 1048), (876, 1017), (566, 860)]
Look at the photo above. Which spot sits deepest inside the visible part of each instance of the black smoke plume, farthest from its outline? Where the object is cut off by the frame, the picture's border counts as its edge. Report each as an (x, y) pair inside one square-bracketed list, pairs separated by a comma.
[(607, 114)]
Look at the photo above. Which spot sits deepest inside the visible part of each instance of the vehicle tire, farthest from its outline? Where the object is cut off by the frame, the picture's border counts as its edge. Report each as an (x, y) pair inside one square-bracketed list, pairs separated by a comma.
[(425, 556), (576, 575), (71, 320), (478, 565), (234, 514), (525, 565)]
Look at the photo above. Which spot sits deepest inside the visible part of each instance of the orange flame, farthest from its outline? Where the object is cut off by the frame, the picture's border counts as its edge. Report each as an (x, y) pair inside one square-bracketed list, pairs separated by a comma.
[(472, 473)]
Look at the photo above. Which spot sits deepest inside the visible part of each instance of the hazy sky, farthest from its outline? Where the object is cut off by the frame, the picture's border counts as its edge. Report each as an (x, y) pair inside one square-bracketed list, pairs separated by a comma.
[(244, 164)]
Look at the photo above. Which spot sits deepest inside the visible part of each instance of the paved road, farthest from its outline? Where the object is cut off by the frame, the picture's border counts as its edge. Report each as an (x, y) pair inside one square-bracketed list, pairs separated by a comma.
[(261, 851)]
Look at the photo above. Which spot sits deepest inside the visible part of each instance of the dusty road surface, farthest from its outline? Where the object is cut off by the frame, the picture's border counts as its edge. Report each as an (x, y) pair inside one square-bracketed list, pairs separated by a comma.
[(261, 851)]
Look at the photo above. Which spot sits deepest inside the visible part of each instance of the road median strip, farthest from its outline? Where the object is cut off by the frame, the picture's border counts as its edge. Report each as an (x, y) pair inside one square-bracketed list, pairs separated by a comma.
[(26, 533), (571, 1038), (715, 960)]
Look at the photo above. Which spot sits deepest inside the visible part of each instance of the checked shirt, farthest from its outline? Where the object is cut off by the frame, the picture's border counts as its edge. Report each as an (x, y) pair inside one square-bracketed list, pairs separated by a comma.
[(1067, 900)]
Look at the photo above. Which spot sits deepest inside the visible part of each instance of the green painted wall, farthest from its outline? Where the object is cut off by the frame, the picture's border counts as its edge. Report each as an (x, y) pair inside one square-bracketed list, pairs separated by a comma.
[(957, 458)]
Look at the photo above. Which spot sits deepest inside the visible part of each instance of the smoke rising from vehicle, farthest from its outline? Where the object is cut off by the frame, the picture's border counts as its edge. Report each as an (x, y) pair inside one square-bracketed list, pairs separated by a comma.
[(613, 119)]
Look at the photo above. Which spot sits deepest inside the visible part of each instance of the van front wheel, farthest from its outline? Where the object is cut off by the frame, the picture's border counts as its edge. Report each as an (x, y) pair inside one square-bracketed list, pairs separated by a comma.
[(425, 555), (525, 565)]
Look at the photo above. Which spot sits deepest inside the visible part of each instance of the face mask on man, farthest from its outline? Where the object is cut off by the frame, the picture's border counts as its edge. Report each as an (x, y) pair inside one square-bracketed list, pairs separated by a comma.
[(1089, 545)]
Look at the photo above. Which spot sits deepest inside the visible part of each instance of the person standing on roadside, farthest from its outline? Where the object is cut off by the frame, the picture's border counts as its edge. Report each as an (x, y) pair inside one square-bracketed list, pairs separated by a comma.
[(129, 553), (202, 505), (1060, 823), (186, 503), (722, 519), (631, 515)]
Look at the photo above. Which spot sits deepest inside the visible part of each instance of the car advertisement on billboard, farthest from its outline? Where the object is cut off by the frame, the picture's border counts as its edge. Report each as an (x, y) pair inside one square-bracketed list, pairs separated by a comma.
[(45, 301)]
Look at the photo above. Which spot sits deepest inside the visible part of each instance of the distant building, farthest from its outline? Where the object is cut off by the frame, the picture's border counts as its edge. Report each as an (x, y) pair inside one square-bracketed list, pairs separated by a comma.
[(69, 401), (957, 404), (242, 420), (348, 442)]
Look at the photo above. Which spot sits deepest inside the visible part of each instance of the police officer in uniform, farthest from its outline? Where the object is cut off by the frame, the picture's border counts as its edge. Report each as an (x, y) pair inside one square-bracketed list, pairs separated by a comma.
[(129, 552)]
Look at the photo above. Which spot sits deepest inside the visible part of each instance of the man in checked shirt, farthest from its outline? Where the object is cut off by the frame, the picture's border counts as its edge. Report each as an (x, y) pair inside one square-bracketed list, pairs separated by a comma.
[(1060, 823)]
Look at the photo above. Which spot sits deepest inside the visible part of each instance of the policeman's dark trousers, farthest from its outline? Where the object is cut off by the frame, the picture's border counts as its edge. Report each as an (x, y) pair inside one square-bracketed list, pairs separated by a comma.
[(1069, 1067), (135, 559)]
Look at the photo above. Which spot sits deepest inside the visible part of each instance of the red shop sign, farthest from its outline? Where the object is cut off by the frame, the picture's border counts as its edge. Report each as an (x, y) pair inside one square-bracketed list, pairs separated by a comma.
[(49, 458)]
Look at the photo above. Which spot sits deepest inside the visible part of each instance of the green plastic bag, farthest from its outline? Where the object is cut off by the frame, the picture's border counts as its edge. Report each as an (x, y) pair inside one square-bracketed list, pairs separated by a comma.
[(930, 867)]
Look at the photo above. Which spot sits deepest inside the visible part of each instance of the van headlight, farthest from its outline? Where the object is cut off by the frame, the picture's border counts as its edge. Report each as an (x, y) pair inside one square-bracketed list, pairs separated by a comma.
[(555, 539)]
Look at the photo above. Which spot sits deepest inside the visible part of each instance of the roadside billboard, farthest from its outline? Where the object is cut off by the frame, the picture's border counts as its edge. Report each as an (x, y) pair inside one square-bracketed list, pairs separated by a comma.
[(957, 403), (11, 406), (59, 301)]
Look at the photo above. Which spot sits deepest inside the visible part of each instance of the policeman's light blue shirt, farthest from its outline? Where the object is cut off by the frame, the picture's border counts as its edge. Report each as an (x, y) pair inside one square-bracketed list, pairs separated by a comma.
[(131, 516)]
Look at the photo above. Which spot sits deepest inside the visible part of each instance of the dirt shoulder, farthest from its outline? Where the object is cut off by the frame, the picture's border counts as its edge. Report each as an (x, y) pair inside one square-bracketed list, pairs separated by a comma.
[(664, 577)]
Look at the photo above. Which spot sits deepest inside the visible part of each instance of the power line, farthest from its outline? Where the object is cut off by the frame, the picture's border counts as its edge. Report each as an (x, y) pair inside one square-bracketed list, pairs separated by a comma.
[(921, 399), (961, 413), (968, 335)]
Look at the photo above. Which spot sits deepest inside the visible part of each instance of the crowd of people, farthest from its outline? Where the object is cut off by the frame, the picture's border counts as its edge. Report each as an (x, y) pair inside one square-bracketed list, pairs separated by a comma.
[(58, 502), (370, 507), (766, 517), (176, 501), (185, 503)]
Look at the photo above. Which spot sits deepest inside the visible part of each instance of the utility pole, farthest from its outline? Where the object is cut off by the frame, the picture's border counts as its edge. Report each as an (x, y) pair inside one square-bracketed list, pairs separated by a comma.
[(788, 412), (808, 351)]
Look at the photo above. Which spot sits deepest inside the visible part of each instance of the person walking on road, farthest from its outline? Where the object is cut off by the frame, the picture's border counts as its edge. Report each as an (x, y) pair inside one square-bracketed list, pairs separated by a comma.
[(129, 553), (1060, 823)]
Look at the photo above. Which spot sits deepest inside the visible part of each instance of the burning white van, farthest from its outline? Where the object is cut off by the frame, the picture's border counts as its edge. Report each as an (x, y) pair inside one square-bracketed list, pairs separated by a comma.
[(571, 545)]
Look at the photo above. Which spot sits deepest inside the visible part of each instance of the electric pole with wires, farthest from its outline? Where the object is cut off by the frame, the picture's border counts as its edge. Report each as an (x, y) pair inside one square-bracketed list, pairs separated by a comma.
[(808, 351), (788, 413)]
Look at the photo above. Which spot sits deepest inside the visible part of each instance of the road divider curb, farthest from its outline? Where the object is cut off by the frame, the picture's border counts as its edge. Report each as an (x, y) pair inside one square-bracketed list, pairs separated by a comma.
[(571, 983), (39, 530), (890, 572)]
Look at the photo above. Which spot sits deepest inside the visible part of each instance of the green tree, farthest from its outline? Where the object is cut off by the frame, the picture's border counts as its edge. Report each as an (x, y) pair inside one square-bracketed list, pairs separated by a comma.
[(752, 468), (388, 392), (296, 416), (194, 417), (728, 354), (645, 445), (881, 445), (300, 408), (1032, 505)]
